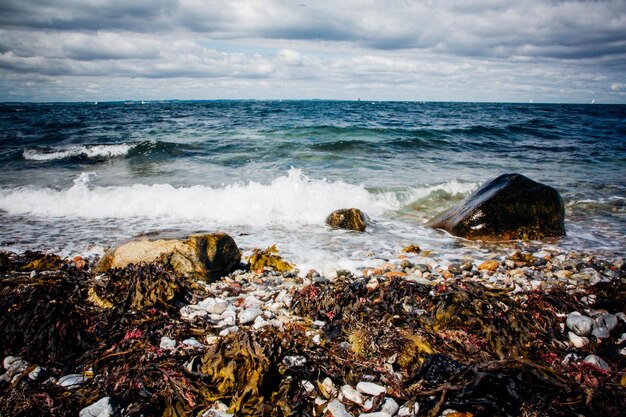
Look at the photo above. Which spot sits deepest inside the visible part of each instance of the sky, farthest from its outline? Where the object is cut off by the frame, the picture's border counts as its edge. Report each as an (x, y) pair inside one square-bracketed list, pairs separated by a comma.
[(439, 50)]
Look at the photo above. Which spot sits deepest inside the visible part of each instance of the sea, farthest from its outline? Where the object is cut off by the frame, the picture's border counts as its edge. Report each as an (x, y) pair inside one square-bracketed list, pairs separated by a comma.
[(78, 178)]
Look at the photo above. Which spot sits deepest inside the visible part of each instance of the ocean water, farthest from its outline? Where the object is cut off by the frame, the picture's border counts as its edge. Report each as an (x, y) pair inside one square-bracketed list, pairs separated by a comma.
[(77, 178)]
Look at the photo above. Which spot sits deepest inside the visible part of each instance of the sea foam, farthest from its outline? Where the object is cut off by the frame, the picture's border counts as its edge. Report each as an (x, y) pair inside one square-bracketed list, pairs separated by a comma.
[(291, 199), (79, 151)]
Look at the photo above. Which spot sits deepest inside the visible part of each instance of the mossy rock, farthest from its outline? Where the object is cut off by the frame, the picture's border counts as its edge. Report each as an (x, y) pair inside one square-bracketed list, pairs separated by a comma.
[(349, 219), (508, 207), (209, 256)]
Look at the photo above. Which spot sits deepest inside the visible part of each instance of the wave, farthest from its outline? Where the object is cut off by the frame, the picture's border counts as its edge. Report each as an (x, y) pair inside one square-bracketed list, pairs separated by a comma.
[(98, 152), (291, 199)]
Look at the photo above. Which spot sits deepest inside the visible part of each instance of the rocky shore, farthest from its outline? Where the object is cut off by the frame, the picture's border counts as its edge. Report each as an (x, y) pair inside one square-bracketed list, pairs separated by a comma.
[(532, 334)]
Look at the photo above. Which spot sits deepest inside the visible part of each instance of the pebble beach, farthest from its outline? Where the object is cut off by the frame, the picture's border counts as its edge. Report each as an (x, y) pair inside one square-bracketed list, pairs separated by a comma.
[(409, 338)]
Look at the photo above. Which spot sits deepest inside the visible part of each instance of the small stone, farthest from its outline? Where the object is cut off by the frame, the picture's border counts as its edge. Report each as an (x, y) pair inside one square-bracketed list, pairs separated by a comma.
[(329, 387), (609, 321), (101, 408), (510, 263), (454, 268), (248, 315), (308, 386), (336, 409), (9, 360), (375, 414), (317, 339), (577, 341), (228, 330), (213, 305), (36, 373), (191, 342), (370, 388), (405, 411), (600, 331), (390, 406), (466, 266), (422, 268), (406, 264), (579, 324), (352, 394), (33, 274), (167, 343), (294, 361), (72, 381), (17, 367), (372, 284), (490, 265), (563, 274), (597, 361)]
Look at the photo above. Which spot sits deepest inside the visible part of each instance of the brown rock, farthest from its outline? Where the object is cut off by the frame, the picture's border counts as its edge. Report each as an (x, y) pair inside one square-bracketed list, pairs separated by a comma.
[(349, 219), (490, 265), (206, 255)]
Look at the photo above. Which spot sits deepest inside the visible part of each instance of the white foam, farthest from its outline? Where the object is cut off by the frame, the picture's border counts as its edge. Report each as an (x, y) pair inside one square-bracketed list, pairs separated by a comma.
[(86, 151), (290, 199), (453, 187)]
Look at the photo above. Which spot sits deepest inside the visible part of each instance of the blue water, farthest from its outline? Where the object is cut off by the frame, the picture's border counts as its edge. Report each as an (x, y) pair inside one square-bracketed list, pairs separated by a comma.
[(74, 177)]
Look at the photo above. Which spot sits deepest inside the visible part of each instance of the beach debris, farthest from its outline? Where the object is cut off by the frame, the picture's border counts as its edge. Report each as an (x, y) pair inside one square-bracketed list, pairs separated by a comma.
[(508, 207), (349, 219), (207, 256), (268, 258)]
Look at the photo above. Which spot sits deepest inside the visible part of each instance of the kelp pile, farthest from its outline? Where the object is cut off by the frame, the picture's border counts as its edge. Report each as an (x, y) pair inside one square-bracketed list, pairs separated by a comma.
[(449, 344), (467, 347)]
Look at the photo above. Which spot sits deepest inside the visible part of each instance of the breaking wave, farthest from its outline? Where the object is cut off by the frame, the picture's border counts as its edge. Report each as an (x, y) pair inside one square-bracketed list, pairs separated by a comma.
[(291, 199), (79, 151)]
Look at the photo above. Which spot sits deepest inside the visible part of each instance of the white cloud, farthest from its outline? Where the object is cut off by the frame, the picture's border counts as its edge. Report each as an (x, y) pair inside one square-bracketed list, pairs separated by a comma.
[(400, 49)]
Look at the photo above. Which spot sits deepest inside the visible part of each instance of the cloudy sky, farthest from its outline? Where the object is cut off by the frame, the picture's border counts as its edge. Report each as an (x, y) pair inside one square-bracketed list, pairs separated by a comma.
[(457, 50)]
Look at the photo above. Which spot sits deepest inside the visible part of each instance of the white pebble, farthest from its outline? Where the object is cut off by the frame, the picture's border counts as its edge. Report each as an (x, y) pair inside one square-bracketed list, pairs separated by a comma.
[(167, 343), (351, 394), (72, 381), (101, 408), (390, 406), (191, 342), (370, 388), (336, 409), (248, 315), (9, 360), (597, 361), (576, 340), (375, 414), (36, 373)]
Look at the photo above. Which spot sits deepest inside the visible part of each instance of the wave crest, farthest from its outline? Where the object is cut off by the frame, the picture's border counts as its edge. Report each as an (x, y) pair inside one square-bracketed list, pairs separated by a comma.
[(79, 151)]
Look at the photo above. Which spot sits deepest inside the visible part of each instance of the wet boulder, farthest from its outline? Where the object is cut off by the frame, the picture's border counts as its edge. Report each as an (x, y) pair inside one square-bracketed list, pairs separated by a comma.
[(508, 207), (349, 219), (206, 255)]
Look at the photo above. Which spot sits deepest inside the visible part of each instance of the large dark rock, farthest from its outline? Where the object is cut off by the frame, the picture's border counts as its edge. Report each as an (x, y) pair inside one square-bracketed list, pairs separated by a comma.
[(349, 219), (209, 256), (511, 206)]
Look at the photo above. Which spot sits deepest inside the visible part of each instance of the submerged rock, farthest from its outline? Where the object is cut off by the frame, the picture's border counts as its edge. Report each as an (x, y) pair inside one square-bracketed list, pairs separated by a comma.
[(508, 207), (349, 219), (207, 255)]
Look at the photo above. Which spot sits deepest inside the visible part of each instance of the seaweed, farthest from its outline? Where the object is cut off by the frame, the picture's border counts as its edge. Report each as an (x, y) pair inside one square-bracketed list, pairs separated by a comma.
[(268, 258)]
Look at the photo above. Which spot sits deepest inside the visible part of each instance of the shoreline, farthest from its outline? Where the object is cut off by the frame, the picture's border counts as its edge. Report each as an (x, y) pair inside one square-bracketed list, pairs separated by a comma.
[(270, 343)]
